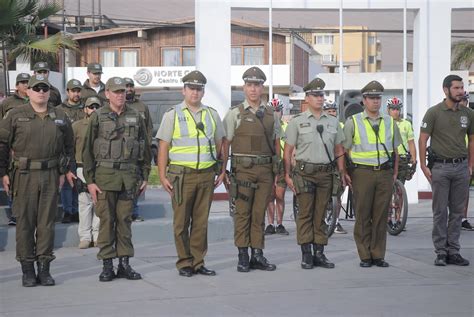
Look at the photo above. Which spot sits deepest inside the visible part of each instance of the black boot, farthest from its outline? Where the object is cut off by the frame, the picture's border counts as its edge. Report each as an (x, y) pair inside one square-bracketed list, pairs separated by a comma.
[(29, 276), (259, 262), (307, 257), (243, 265), (319, 259), (108, 273), (125, 270), (44, 278)]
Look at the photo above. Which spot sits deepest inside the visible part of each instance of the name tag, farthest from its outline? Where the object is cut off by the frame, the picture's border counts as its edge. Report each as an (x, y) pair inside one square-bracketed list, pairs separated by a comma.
[(24, 119), (249, 120), (59, 122), (182, 119), (131, 119), (305, 125)]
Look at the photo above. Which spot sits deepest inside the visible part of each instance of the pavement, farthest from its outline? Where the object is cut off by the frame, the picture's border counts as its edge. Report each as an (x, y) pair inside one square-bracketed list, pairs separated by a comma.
[(411, 286)]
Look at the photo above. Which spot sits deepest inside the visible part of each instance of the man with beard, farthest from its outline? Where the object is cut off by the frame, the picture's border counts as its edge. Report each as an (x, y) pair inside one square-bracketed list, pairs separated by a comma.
[(139, 106), (447, 124), (94, 86)]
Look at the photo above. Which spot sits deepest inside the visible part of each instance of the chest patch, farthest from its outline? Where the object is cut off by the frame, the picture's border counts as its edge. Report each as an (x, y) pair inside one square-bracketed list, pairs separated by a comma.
[(130, 119), (59, 122), (24, 119), (249, 119), (464, 121), (305, 125)]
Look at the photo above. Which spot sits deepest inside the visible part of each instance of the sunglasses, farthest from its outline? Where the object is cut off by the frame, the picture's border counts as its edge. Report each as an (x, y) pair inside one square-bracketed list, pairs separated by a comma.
[(94, 106), (40, 88)]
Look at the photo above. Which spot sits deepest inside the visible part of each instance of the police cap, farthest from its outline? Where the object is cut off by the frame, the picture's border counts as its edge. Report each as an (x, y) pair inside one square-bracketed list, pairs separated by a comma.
[(194, 78), (22, 77), (94, 68), (129, 81), (254, 75), (37, 79), (73, 84), (115, 84), (374, 88), (315, 87), (41, 66)]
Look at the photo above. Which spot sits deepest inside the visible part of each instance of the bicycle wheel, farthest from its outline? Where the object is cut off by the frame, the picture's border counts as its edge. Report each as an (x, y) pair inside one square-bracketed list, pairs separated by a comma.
[(330, 216), (398, 209)]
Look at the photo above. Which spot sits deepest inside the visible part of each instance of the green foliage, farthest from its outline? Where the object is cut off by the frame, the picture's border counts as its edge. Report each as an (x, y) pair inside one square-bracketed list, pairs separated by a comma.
[(463, 55), (19, 22)]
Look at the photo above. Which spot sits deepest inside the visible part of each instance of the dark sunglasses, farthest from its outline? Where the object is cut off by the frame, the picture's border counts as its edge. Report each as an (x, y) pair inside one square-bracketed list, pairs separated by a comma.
[(40, 88), (94, 106)]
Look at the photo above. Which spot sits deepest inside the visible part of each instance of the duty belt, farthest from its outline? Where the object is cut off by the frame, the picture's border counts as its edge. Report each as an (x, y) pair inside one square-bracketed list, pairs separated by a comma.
[(256, 160), (116, 165), (27, 164), (383, 167), (313, 167), (178, 169), (451, 160)]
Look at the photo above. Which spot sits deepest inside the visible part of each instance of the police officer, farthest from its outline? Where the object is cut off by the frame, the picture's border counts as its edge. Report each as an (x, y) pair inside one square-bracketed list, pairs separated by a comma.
[(447, 124), (190, 138), (73, 105), (372, 139), (115, 151), (40, 141), (252, 130), (317, 138), (93, 86), (88, 228), (407, 149), (139, 106), (54, 94), (19, 97), (74, 109)]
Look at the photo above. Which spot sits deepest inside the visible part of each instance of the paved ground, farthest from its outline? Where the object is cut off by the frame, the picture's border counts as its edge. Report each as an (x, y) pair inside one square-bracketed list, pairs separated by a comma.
[(412, 286)]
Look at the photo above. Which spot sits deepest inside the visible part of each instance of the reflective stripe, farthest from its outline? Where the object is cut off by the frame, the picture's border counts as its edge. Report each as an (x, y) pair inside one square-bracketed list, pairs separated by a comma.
[(282, 142), (189, 146), (364, 148)]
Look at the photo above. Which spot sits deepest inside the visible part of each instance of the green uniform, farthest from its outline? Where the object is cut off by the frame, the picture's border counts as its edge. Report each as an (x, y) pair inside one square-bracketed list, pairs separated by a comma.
[(54, 97), (88, 91), (37, 143), (191, 170), (74, 112), (116, 152), (372, 180), (312, 176), (145, 113), (12, 102), (252, 143)]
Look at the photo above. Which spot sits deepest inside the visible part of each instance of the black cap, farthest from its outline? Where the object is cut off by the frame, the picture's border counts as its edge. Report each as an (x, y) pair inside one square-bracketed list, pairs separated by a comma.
[(129, 81), (22, 77), (254, 75)]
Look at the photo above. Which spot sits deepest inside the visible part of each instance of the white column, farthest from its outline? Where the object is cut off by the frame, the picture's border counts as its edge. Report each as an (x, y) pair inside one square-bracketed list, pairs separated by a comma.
[(431, 63), (213, 47)]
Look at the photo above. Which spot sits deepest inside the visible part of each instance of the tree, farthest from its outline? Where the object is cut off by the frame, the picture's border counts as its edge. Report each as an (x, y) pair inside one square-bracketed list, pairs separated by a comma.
[(463, 54), (19, 22)]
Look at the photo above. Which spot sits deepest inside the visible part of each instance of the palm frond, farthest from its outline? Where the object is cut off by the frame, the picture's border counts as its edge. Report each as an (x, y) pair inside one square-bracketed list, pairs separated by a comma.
[(463, 55)]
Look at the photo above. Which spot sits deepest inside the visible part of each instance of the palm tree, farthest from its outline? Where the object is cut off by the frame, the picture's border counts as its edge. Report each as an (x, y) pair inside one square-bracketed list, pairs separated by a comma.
[(463, 54), (19, 20)]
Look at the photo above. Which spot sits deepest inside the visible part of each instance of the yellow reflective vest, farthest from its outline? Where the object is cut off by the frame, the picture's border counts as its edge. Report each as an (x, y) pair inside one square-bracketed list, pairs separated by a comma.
[(189, 145), (366, 147)]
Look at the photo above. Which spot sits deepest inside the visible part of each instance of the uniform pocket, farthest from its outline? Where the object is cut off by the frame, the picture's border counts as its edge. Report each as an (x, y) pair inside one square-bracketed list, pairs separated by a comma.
[(116, 149)]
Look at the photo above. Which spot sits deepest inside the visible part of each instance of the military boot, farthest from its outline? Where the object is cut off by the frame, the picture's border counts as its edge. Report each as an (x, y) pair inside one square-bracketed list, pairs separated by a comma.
[(243, 265), (259, 262), (44, 277), (29, 276), (125, 270), (319, 259), (108, 273), (307, 257)]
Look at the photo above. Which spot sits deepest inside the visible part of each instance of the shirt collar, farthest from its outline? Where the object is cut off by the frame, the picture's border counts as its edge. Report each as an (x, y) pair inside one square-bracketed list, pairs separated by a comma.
[(185, 106), (247, 105), (310, 114), (365, 115)]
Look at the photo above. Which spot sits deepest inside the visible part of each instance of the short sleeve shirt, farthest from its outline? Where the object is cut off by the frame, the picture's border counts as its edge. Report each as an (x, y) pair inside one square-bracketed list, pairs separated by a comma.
[(165, 132), (302, 132), (448, 129), (232, 121)]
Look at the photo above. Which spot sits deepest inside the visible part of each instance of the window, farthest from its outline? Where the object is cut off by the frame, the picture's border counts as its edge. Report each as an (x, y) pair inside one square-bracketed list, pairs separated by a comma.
[(178, 56), (328, 58), (124, 57), (324, 39), (189, 57), (236, 58), (371, 40), (253, 55), (328, 39), (318, 39), (371, 59)]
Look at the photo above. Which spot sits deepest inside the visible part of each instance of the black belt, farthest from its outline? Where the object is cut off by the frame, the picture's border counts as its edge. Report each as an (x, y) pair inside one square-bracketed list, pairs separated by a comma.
[(178, 169), (256, 160), (116, 165), (451, 160), (385, 166), (313, 167)]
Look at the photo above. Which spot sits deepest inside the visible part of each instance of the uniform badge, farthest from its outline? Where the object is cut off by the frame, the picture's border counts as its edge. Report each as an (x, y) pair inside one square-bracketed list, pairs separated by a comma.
[(305, 125), (130, 119), (464, 121), (424, 125), (249, 120), (22, 119), (59, 122), (182, 119)]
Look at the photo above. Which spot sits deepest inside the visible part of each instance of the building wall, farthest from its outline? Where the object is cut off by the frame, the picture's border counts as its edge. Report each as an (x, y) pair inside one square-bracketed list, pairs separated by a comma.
[(150, 49)]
